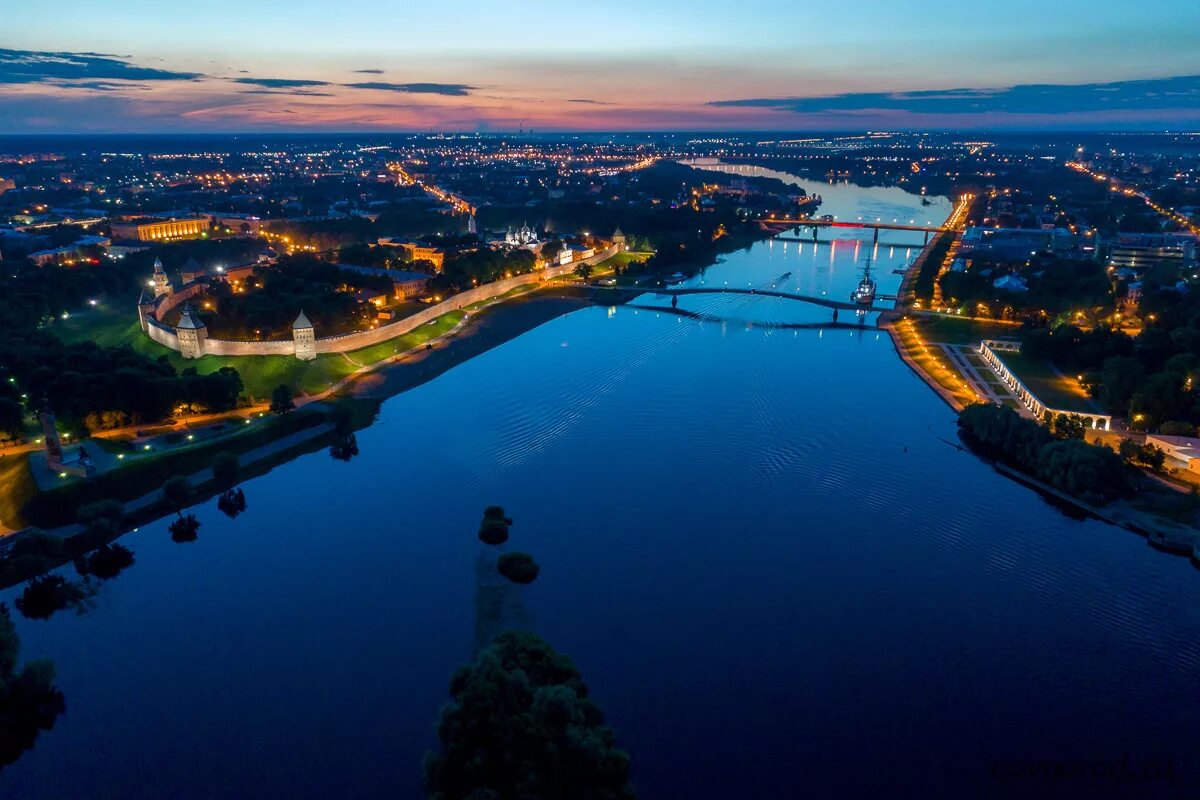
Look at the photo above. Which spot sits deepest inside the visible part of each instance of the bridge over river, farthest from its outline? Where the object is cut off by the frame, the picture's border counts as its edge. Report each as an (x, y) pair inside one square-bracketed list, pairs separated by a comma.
[(782, 225), (837, 305)]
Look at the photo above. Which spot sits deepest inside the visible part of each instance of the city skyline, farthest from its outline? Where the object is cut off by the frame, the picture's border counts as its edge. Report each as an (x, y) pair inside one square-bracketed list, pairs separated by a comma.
[(142, 68)]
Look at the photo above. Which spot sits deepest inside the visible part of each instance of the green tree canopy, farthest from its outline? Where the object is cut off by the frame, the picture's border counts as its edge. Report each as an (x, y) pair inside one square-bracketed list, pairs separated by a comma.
[(520, 724)]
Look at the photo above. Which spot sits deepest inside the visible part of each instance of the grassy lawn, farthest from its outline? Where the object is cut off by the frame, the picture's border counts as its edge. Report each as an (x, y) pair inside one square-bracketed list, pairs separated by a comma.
[(17, 487), (1056, 392), (329, 369), (953, 330), (619, 260), (933, 361), (511, 293), (113, 325)]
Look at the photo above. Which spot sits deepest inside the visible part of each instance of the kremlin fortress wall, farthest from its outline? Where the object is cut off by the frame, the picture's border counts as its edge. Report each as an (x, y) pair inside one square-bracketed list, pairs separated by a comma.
[(191, 341)]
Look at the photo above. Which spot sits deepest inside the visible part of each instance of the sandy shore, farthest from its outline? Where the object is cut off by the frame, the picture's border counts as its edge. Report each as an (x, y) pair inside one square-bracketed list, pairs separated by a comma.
[(484, 330)]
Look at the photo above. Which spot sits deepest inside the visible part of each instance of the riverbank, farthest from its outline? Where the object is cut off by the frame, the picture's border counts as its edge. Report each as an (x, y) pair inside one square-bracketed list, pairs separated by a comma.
[(481, 331), (1162, 534)]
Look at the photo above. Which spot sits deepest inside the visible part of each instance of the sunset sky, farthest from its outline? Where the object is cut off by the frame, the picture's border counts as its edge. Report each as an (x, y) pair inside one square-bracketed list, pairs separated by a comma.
[(219, 65)]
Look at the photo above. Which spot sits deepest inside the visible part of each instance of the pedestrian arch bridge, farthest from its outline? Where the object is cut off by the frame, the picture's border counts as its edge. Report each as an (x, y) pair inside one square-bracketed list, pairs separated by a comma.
[(803, 298)]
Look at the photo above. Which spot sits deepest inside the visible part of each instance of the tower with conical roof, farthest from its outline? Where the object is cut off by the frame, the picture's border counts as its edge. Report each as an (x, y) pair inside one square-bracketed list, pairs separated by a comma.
[(192, 334), (191, 271), (159, 281), (305, 338), (618, 239)]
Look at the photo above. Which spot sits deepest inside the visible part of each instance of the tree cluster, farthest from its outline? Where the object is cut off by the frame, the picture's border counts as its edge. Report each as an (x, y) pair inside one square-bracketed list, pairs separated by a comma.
[(1090, 472), (469, 268), (1054, 286), (267, 303), (94, 387), (520, 724), (1153, 380)]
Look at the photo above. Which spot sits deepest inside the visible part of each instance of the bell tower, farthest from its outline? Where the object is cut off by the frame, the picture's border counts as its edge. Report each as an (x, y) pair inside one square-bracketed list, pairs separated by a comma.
[(159, 281)]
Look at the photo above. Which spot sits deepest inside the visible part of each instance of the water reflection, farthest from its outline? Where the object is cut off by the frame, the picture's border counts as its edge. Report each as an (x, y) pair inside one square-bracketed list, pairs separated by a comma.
[(752, 542), (232, 502), (344, 447), (46, 595), (30, 702)]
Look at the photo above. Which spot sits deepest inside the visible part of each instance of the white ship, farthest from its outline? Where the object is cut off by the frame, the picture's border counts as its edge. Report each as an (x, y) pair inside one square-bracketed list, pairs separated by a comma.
[(864, 295)]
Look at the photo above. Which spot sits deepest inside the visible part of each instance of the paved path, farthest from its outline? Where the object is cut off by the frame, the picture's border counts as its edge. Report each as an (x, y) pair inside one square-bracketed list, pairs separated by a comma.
[(983, 385)]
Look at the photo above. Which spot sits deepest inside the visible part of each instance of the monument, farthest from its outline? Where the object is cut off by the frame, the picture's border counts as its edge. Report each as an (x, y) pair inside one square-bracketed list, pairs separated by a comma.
[(56, 459)]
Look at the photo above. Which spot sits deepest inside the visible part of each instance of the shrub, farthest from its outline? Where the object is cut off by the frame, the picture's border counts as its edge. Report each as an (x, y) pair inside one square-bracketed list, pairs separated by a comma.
[(106, 562), (520, 724), (518, 567), (493, 531)]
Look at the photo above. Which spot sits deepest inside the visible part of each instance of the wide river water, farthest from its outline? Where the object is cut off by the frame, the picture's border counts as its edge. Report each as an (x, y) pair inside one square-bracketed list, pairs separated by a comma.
[(776, 577)]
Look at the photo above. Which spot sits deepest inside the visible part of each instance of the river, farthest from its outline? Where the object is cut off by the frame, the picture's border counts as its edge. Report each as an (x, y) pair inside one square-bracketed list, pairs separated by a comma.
[(776, 577)]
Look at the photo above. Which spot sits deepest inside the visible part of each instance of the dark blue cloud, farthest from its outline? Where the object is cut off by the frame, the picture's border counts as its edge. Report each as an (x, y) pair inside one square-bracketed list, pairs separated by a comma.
[(1182, 92), (369, 71), (447, 89), (279, 83), (36, 66), (292, 92)]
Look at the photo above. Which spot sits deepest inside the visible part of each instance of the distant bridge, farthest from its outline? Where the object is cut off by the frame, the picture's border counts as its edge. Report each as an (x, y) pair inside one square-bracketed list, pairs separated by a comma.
[(782, 225), (802, 240), (803, 298), (828, 223)]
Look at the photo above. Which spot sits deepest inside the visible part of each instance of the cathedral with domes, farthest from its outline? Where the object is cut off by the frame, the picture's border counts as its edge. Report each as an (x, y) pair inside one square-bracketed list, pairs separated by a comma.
[(524, 237)]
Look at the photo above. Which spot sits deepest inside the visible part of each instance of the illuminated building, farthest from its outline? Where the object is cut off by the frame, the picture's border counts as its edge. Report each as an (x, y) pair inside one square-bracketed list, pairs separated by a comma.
[(147, 230)]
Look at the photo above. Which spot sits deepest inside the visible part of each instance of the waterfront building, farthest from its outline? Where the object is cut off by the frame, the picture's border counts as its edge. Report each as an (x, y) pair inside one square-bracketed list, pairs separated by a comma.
[(989, 351), (192, 333), (305, 338), (1184, 451), (148, 229)]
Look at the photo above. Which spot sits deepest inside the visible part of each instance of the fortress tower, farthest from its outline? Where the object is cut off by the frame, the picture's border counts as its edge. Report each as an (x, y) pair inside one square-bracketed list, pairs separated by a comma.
[(159, 281), (618, 240), (191, 333), (305, 338)]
